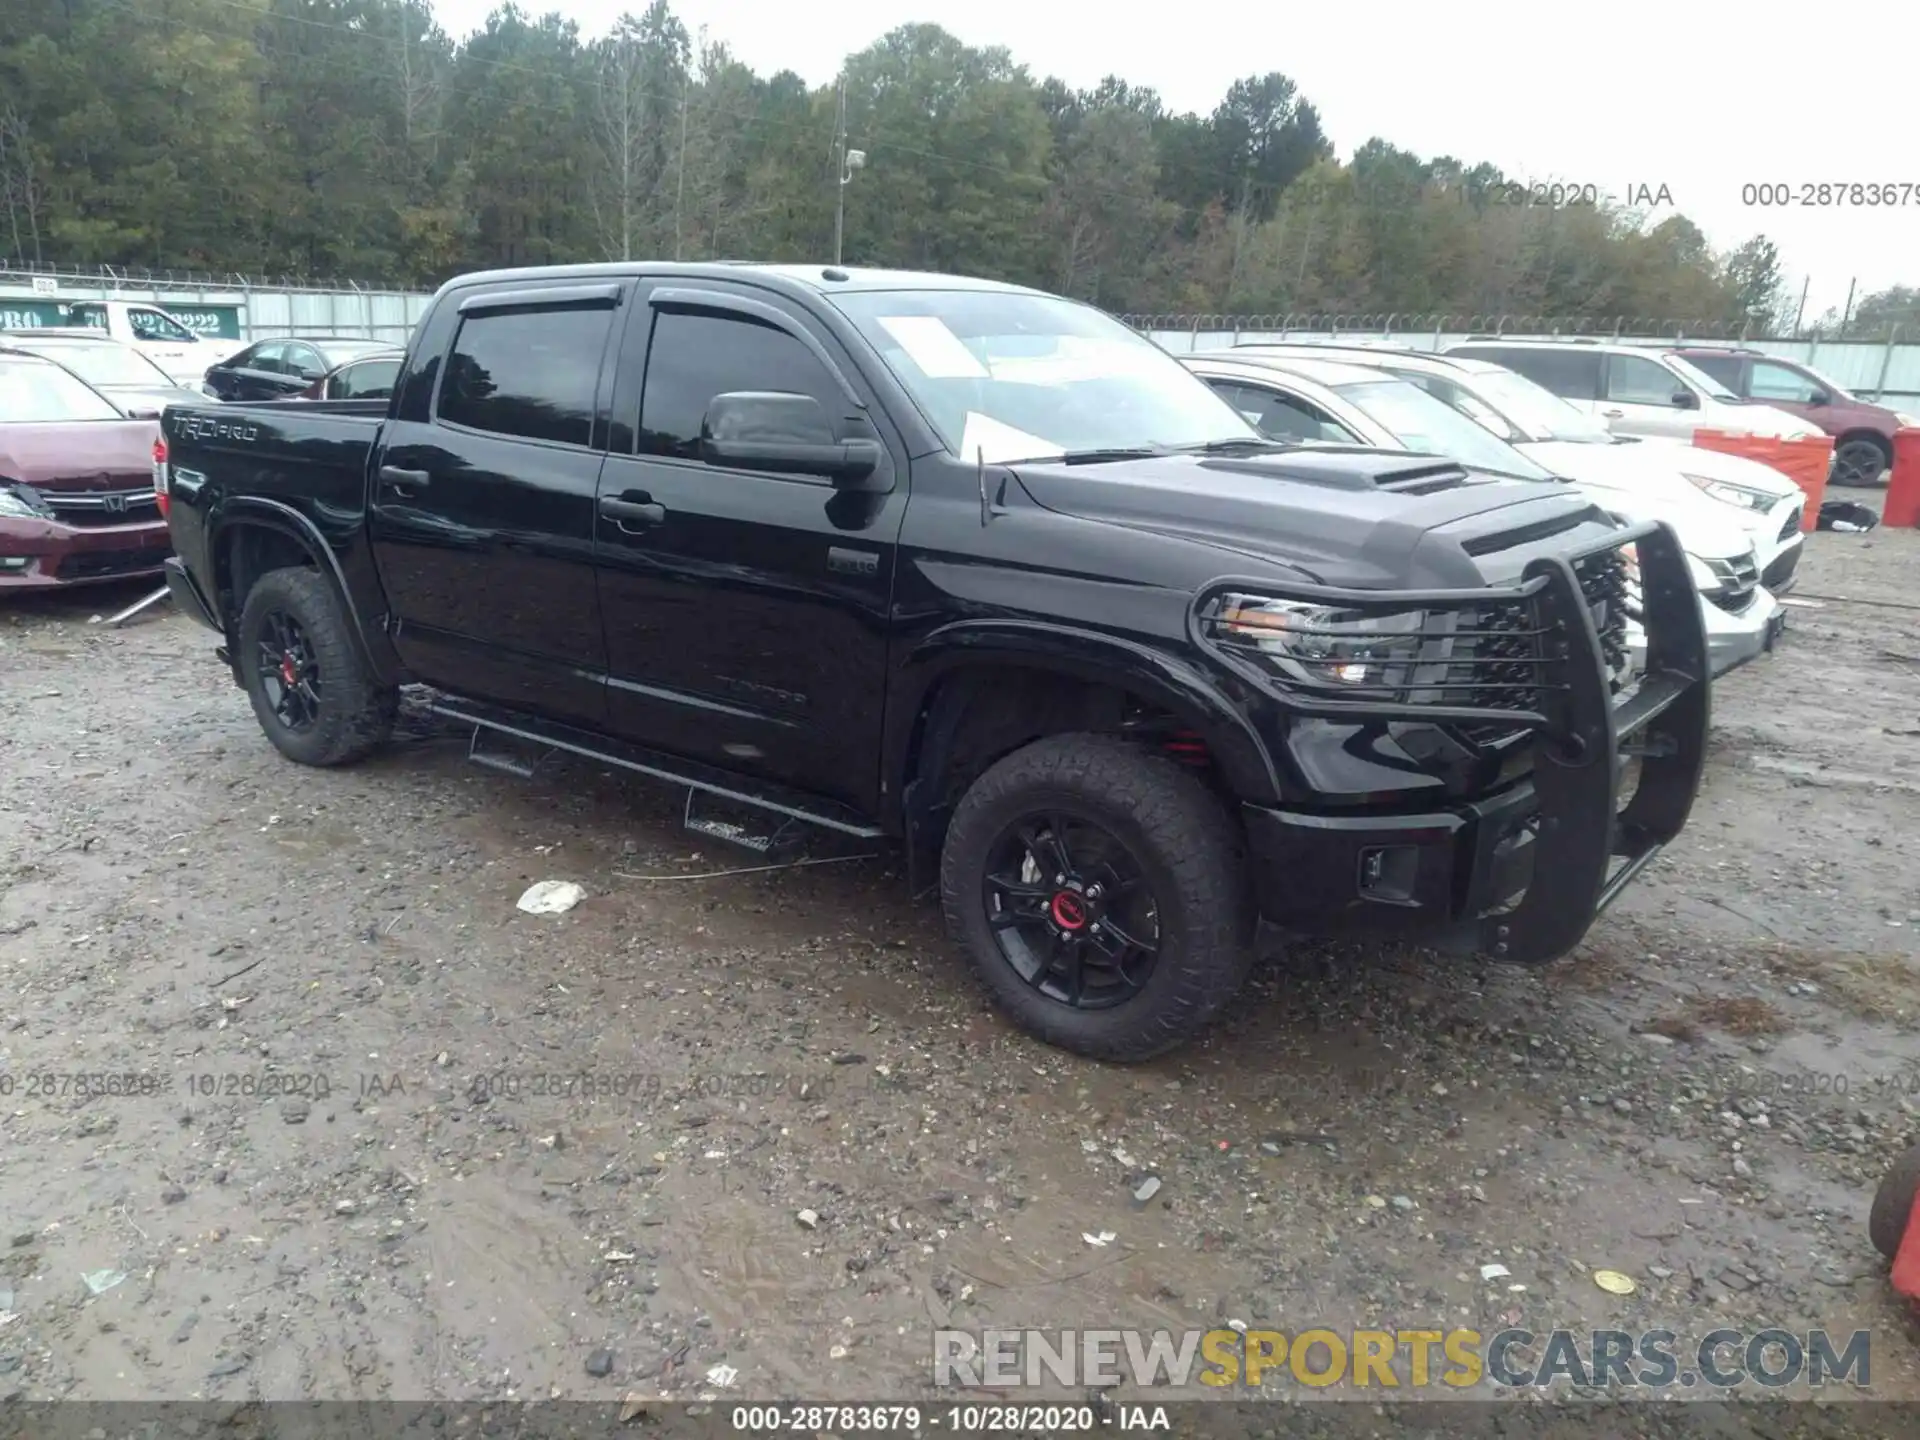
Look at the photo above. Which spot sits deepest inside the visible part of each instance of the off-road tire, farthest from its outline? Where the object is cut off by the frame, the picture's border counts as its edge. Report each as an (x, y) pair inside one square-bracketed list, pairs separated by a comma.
[(1187, 844), (356, 713)]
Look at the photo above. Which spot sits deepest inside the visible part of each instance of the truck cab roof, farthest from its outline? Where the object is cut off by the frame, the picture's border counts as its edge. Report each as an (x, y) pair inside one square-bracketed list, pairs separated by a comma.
[(813, 279)]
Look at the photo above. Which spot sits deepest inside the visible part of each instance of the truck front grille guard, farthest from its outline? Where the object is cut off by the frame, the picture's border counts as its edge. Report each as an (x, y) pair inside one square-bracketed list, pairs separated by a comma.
[(1553, 651)]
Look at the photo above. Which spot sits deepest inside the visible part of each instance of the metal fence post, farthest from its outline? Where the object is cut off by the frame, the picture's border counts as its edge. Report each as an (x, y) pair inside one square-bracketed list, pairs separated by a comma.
[(1886, 362)]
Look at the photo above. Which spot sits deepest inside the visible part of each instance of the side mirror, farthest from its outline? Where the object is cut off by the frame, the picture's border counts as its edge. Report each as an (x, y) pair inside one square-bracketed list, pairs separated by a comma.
[(774, 430), (1819, 397), (1685, 400)]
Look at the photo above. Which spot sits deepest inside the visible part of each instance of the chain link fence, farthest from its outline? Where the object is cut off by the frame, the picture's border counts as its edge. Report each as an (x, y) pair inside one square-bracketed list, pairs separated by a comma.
[(1650, 329), (1879, 363), (214, 304)]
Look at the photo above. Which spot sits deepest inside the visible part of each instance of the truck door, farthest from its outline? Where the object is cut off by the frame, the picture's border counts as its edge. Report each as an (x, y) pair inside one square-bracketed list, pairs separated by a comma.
[(746, 612), (482, 499)]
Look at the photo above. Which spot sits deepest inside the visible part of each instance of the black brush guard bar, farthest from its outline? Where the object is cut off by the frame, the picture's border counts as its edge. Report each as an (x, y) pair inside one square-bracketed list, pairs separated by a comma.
[(1587, 849)]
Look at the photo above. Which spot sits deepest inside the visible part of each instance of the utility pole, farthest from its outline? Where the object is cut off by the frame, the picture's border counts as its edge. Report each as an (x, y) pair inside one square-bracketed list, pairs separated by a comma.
[(1846, 315), (1799, 313), (680, 194), (840, 169)]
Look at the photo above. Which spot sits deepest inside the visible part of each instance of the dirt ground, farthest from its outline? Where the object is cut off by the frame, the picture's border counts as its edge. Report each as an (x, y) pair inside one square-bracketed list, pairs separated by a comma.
[(368, 1132)]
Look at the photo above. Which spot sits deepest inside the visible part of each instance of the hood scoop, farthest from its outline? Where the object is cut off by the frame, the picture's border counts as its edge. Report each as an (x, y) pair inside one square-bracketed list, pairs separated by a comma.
[(1335, 470)]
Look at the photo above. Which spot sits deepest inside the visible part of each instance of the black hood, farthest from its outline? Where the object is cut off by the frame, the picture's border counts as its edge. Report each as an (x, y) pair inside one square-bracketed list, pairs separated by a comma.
[(1363, 518)]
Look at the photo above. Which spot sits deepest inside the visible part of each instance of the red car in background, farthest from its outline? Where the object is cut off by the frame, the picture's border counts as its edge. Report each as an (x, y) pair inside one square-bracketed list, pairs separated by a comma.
[(77, 502), (1862, 431)]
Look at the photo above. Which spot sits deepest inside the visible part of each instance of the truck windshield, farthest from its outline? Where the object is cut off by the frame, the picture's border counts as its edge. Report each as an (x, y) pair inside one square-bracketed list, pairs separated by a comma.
[(1420, 422), (35, 392), (1006, 376)]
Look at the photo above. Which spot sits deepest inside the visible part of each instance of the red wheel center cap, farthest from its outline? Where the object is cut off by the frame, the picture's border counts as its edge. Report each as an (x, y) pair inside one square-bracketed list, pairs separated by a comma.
[(288, 671), (1069, 910)]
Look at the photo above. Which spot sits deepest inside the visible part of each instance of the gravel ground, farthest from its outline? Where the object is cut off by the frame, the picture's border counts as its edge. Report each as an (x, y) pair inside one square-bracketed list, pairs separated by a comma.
[(796, 1139)]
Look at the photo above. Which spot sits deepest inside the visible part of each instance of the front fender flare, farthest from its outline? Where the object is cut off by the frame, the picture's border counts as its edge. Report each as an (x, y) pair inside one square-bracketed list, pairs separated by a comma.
[(1236, 747)]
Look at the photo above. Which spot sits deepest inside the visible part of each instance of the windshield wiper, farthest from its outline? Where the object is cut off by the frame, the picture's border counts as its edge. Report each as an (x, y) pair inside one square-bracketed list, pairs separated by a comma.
[(1117, 452), (1249, 443)]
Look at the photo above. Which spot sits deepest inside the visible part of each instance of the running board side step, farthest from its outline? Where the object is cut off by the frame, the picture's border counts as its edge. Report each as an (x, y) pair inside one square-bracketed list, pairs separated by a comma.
[(793, 805)]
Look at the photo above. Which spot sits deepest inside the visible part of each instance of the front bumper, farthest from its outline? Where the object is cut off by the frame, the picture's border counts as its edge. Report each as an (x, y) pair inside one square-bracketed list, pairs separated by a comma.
[(1778, 542), (50, 554), (1521, 874), (1732, 640)]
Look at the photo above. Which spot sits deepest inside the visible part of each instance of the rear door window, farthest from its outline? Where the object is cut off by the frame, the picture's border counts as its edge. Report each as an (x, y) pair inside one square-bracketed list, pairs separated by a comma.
[(366, 380), (527, 373), (1724, 368), (1570, 374)]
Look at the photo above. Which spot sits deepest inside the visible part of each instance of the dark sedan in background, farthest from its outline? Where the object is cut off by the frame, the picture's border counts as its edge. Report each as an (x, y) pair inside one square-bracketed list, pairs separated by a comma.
[(129, 379), (282, 367), (367, 377)]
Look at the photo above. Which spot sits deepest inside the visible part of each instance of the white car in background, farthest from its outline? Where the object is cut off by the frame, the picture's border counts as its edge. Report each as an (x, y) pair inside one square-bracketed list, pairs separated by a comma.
[(157, 335), (1647, 390), (1316, 401), (1766, 504)]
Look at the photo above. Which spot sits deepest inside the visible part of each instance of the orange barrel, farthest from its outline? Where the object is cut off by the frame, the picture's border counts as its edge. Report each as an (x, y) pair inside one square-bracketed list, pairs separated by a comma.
[(1903, 490)]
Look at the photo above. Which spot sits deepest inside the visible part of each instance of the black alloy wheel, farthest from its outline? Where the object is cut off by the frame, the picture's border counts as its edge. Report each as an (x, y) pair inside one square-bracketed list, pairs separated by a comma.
[(289, 671), (1858, 462), (1071, 910)]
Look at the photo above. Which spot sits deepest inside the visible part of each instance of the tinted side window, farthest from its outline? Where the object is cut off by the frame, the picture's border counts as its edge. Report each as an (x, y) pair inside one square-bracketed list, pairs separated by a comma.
[(270, 356), (531, 373), (1570, 375), (1634, 381), (695, 357), (369, 380), (1724, 368)]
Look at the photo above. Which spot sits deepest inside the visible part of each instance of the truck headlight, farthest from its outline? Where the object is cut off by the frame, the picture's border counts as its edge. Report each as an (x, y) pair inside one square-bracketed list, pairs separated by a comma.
[(1744, 496), (1323, 644), (19, 503)]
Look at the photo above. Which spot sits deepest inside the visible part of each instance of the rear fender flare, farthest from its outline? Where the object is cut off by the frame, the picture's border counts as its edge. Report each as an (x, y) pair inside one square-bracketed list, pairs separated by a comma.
[(1236, 747), (257, 512)]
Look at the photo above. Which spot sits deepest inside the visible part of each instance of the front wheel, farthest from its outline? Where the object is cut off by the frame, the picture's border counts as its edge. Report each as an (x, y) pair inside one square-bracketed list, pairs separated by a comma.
[(310, 688), (1098, 891)]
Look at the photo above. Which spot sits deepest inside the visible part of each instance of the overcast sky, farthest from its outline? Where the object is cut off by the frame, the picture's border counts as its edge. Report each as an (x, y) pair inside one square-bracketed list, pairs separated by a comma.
[(1701, 99)]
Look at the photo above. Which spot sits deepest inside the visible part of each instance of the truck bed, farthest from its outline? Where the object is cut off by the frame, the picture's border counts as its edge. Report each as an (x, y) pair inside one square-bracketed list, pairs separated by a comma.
[(308, 457)]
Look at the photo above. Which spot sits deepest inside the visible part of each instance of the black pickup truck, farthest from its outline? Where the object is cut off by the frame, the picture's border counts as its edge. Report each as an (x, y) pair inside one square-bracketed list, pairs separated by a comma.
[(979, 570)]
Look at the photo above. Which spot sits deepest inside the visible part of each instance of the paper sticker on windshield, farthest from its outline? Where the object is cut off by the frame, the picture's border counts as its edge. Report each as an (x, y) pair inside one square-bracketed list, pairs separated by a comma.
[(986, 438), (933, 347)]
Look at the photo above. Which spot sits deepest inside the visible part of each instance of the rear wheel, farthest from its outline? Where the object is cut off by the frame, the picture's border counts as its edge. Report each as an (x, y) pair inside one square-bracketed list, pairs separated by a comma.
[(1860, 460), (310, 688), (1098, 891)]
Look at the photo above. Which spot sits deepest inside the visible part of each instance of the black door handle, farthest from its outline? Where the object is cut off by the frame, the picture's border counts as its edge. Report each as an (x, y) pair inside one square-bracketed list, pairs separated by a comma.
[(640, 512), (394, 478)]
